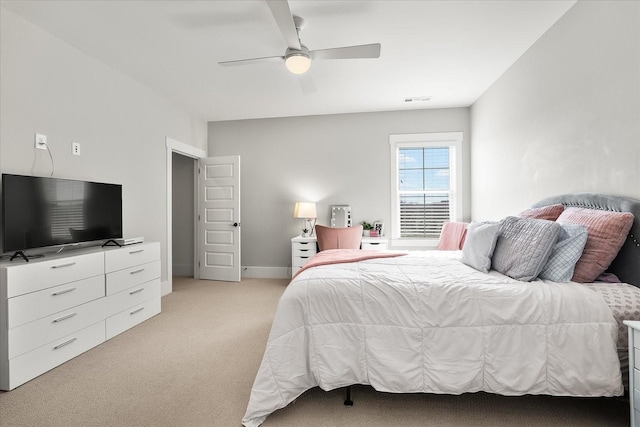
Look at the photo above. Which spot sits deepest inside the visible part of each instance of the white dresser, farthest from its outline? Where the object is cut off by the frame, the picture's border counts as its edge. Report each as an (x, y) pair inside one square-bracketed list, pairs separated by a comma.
[(303, 248), (60, 306), (634, 371)]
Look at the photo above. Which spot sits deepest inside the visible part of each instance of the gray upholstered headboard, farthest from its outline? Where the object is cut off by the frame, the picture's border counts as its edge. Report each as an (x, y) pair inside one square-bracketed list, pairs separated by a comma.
[(627, 264)]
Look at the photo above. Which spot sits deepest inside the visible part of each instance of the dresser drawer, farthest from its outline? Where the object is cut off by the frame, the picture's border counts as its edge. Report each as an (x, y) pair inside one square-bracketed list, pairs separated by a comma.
[(131, 317), (32, 335), (130, 256), (636, 339), (37, 275), (132, 296), (29, 365), (36, 305), (124, 279)]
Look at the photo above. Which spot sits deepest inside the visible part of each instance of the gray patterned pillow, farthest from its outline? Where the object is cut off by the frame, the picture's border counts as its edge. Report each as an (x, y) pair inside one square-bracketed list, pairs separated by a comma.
[(524, 246), (566, 252)]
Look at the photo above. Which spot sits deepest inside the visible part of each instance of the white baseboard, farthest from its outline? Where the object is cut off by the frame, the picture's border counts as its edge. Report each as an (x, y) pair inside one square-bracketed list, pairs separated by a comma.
[(266, 272)]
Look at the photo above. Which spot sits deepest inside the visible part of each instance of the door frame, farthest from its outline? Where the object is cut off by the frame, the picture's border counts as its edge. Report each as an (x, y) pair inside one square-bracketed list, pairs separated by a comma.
[(175, 146)]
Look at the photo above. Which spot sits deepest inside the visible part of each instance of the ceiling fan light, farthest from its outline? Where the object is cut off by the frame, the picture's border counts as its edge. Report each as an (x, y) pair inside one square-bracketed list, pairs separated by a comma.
[(298, 63)]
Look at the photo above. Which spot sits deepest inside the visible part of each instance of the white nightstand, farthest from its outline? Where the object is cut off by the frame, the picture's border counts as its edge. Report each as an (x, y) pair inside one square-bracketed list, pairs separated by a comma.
[(375, 243), (302, 248), (634, 371)]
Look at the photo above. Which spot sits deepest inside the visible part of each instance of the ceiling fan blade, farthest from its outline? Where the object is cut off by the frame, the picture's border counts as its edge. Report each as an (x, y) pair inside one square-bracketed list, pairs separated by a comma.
[(284, 19), (251, 61), (306, 83), (348, 52)]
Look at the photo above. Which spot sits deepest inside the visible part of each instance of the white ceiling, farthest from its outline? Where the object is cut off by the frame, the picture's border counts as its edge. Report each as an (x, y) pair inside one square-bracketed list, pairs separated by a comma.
[(449, 50)]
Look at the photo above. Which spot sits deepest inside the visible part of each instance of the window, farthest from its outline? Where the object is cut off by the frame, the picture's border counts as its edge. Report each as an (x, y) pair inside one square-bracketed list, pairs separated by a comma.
[(426, 184)]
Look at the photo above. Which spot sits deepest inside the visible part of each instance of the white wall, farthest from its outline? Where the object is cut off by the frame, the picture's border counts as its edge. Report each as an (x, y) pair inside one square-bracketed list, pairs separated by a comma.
[(334, 159), (565, 117), (48, 86)]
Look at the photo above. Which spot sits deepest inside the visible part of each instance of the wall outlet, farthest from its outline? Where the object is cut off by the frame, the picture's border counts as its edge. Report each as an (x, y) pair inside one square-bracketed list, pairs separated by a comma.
[(41, 141), (75, 148)]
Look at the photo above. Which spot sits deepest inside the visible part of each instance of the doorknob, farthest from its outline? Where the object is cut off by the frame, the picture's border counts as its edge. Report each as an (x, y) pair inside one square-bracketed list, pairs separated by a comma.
[(236, 224)]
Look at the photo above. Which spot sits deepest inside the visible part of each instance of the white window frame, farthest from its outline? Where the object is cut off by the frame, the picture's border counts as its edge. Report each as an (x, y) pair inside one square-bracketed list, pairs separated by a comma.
[(452, 140)]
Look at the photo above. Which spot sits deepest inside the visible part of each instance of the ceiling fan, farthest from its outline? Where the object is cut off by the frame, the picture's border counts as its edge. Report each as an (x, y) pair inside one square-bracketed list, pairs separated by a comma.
[(297, 57)]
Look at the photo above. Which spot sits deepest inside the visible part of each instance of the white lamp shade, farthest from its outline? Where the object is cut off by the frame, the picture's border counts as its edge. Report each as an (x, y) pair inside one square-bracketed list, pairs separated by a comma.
[(305, 210)]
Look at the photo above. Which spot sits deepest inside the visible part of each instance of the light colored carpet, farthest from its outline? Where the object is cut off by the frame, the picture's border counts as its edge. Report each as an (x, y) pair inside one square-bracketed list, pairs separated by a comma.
[(194, 364)]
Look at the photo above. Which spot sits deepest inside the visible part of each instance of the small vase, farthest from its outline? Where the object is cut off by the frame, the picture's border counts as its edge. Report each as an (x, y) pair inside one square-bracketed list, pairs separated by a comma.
[(366, 233)]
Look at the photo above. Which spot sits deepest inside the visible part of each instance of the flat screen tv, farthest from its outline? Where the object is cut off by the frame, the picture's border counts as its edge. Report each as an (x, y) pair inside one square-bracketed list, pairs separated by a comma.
[(38, 212)]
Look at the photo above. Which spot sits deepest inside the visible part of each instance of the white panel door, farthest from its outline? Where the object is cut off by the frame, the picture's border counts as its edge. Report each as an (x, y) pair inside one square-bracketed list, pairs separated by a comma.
[(219, 218)]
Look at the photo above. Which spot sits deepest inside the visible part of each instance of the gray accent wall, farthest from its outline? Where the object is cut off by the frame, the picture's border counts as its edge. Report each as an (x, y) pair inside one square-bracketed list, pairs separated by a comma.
[(183, 214), (50, 87), (332, 159), (565, 117)]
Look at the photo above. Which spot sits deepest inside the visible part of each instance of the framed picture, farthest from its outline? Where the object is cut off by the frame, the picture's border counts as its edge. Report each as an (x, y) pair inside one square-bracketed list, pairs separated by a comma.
[(379, 227)]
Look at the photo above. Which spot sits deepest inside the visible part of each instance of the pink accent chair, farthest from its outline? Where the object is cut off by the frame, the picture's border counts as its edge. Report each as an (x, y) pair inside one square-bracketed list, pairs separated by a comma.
[(452, 236), (338, 238)]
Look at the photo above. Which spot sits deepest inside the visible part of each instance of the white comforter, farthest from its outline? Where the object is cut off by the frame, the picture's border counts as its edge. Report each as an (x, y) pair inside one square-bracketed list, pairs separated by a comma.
[(425, 322)]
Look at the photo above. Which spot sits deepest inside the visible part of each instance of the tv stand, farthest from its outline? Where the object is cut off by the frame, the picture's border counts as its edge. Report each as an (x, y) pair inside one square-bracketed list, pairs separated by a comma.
[(19, 254), (57, 307), (108, 243)]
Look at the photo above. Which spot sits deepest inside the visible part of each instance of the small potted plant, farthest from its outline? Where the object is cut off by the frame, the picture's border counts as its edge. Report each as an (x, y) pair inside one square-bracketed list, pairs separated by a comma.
[(366, 228)]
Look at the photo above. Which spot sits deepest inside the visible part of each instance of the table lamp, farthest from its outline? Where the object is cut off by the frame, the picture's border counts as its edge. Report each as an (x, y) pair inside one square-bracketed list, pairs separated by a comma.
[(306, 211)]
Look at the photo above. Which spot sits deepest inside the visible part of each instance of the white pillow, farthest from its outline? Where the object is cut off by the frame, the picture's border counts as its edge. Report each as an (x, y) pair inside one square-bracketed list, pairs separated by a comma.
[(479, 245)]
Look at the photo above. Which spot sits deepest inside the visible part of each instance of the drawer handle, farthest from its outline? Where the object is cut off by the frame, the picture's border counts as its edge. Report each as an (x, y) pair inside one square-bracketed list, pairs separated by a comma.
[(69, 264), (136, 311), (136, 252), (59, 346), (60, 319), (136, 291), (66, 291), (137, 271)]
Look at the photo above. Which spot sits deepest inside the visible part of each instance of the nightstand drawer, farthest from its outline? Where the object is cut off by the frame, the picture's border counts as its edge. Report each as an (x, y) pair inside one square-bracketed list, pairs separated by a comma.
[(636, 338), (300, 261), (305, 245), (374, 246), (305, 252)]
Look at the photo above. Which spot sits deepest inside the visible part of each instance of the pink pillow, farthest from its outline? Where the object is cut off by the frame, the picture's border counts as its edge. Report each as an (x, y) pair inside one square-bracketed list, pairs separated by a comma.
[(550, 213), (338, 238), (607, 232)]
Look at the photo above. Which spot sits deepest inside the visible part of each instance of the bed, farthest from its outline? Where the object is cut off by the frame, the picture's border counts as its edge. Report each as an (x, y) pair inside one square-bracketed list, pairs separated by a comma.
[(436, 322)]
